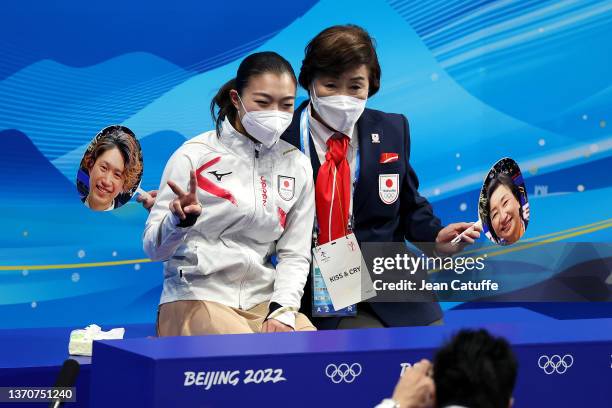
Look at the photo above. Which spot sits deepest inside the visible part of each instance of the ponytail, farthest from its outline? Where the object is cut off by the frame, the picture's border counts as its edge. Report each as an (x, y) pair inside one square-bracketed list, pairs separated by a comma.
[(223, 101)]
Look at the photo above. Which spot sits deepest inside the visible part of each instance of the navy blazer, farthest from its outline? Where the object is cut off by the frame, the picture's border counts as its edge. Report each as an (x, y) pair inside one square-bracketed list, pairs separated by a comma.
[(410, 217)]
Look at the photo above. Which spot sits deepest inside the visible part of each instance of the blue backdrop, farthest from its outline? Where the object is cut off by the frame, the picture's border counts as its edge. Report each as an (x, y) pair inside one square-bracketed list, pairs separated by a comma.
[(478, 80)]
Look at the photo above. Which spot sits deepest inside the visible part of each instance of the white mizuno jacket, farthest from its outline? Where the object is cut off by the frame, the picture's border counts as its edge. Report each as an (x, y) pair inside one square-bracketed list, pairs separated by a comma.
[(256, 202)]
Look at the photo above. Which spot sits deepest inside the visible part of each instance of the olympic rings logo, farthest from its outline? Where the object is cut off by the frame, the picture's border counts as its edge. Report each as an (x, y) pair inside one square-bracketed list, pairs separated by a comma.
[(343, 372), (556, 363)]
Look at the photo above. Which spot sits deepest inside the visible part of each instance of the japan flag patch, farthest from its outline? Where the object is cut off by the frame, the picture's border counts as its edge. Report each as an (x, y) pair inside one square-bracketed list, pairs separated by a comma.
[(388, 187), (286, 187)]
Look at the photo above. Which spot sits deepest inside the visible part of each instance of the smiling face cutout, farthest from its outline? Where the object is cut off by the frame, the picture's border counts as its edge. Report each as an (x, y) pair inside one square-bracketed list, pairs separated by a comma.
[(110, 170), (106, 179), (503, 205)]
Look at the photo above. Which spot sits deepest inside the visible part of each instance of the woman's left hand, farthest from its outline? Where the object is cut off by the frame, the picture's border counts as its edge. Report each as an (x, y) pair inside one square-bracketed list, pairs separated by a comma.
[(272, 325)]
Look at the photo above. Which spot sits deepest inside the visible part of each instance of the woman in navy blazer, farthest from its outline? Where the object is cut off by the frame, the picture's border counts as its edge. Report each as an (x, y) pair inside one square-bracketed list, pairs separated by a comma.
[(340, 71)]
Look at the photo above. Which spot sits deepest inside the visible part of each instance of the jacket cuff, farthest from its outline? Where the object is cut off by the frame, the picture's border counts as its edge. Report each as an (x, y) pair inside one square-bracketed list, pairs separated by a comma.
[(173, 222), (170, 230), (189, 220), (287, 318), (283, 314), (437, 230)]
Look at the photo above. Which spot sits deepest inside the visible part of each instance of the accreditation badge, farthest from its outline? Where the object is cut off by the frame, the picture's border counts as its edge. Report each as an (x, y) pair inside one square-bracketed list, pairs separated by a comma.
[(321, 302), (343, 272)]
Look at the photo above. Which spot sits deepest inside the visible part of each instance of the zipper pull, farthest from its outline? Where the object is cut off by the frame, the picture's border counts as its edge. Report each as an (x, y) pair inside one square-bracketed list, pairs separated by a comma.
[(257, 150)]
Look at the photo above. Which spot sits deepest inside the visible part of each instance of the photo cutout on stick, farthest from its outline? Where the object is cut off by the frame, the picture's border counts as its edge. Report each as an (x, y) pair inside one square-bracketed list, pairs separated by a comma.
[(503, 207), (111, 169)]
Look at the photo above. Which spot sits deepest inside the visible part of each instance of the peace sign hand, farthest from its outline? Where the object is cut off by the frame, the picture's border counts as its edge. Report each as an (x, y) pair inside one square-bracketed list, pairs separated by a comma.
[(185, 204)]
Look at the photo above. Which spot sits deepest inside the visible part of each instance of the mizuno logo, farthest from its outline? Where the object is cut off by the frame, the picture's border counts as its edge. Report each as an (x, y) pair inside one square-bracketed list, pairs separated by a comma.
[(219, 175), (205, 184)]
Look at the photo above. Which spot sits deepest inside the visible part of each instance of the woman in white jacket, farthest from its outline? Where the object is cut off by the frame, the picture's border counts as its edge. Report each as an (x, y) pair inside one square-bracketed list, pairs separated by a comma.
[(229, 201)]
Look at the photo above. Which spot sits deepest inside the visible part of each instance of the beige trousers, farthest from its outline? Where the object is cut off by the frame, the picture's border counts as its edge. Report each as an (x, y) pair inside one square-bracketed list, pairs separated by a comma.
[(199, 317)]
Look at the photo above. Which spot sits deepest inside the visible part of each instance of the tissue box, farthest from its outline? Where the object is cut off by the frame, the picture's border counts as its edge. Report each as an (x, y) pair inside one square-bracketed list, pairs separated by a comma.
[(81, 340)]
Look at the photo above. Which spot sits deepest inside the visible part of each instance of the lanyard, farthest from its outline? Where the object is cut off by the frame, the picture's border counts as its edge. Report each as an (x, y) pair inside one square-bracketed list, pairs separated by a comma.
[(305, 148)]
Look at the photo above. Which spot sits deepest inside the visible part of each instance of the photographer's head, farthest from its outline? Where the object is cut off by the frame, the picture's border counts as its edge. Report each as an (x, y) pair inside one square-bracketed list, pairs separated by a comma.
[(475, 370), (114, 166)]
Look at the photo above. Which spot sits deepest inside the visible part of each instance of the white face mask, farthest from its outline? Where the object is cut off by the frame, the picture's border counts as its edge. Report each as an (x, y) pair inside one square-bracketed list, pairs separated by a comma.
[(266, 126), (340, 112)]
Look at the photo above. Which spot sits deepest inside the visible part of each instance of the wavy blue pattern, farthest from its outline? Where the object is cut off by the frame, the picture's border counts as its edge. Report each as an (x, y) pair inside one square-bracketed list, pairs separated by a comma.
[(506, 51), (80, 34), (61, 108)]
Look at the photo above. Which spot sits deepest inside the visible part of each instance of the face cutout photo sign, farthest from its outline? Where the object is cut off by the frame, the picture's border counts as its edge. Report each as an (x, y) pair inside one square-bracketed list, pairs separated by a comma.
[(503, 207), (111, 169)]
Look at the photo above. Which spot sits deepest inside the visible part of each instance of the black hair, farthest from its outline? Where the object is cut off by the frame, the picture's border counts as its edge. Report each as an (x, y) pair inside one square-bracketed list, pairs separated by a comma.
[(122, 138), (501, 179), (255, 64), (337, 49), (476, 370)]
